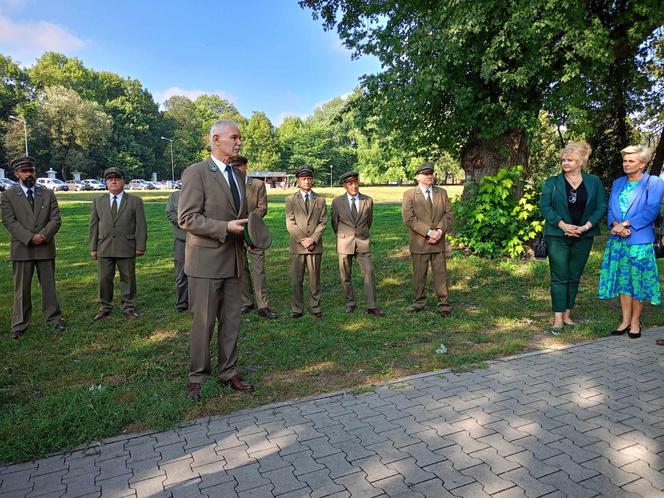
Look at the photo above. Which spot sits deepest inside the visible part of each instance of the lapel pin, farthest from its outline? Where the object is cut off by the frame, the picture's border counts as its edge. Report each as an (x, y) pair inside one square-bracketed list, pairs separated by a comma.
[(213, 167)]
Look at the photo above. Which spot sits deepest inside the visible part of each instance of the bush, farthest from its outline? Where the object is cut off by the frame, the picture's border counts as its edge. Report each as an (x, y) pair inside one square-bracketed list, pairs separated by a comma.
[(492, 222)]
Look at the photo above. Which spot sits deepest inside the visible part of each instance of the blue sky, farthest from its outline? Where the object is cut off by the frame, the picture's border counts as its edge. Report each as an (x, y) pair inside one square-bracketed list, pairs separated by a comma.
[(262, 55)]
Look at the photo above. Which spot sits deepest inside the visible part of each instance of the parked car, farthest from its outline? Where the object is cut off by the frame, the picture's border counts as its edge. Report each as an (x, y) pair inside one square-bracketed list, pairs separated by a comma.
[(76, 185), (94, 184), (6, 183), (139, 184), (52, 184)]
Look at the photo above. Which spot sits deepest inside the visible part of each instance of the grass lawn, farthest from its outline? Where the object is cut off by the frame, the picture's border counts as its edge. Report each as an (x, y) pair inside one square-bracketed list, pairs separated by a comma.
[(119, 375)]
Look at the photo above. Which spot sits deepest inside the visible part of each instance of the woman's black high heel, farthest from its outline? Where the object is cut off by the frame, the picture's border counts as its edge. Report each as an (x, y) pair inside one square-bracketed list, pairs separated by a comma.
[(620, 332), (635, 336)]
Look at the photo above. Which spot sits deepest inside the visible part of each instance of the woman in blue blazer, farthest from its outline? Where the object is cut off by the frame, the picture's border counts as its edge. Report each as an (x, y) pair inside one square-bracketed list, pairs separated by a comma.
[(629, 267), (572, 203)]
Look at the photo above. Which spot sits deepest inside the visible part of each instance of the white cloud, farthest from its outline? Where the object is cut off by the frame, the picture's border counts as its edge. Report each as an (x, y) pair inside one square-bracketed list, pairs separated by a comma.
[(23, 40), (192, 94)]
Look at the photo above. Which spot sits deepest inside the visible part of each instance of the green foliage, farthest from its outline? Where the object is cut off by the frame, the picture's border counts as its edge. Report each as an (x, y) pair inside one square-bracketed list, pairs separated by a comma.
[(259, 142), (492, 221)]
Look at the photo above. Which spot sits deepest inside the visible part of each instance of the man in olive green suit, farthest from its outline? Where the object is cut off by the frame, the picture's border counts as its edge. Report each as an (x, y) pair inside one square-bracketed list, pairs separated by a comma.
[(306, 218), (428, 214), (352, 215), (256, 201), (213, 212), (179, 239), (31, 215), (117, 235)]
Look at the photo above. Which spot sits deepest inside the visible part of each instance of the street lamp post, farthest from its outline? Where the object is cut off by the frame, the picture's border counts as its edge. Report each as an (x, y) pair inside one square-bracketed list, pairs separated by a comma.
[(25, 131), (172, 161)]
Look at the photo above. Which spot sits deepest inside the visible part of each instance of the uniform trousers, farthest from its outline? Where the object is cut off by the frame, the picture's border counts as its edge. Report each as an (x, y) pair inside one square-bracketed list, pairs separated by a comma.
[(311, 264), (214, 300), (181, 285), (255, 276), (23, 272), (106, 274), (421, 263), (346, 271)]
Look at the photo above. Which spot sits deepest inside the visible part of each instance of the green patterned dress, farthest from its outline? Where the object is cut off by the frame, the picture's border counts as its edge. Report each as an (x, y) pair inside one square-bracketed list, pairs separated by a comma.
[(630, 270)]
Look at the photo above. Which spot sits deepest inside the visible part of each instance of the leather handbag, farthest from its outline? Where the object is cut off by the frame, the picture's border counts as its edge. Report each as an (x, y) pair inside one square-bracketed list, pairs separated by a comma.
[(659, 233), (539, 248)]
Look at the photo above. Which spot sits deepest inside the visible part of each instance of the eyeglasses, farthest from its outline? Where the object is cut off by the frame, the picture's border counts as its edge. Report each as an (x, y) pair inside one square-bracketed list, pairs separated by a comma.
[(572, 196)]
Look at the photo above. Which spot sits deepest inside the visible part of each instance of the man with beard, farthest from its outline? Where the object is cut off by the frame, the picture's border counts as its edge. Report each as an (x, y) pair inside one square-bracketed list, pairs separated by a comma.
[(213, 212), (117, 234), (31, 215)]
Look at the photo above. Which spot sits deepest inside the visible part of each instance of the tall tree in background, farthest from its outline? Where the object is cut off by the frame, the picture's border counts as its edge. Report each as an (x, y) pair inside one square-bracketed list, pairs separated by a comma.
[(68, 130), (260, 144), (15, 90), (473, 76)]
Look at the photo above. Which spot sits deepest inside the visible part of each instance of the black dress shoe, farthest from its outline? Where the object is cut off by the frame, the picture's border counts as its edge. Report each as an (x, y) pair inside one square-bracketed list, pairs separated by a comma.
[(350, 308), (295, 314), (375, 311), (445, 313), (182, 309), (16, 334), (194, 391), (415, 309), (238, 384), (247, 309), (620, 332), (131, 313), (318, 314), (267, 313), (634, 336), (59, 326), (101, 314)]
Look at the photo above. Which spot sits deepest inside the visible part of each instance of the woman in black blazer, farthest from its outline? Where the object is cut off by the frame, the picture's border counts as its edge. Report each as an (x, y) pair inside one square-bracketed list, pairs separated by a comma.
[(572, 204)]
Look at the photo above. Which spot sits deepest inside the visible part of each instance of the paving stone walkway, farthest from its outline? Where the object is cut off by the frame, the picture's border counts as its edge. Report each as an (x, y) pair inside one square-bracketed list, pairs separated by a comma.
[(584, 421)]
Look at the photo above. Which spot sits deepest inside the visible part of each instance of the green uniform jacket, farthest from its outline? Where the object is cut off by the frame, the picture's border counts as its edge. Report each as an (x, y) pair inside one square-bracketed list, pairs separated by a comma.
[(120, 237), (553, 204), (22, 222)]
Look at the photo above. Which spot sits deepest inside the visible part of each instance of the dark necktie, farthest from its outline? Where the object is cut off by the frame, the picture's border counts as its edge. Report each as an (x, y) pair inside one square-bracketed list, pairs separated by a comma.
[(234, 190), (429, 199), (31, 199), (114, 206), (306, 203), (353, 208)]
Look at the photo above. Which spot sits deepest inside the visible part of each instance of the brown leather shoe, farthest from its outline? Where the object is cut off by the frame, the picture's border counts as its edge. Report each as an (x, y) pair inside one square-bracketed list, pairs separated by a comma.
[(59, 326), (238, 384), (194, 391), (415, 309), (375, 311), (318, 314), (350, 308), (131, 313), (101, 314), (267, 313), (445, 313), (295, 314)]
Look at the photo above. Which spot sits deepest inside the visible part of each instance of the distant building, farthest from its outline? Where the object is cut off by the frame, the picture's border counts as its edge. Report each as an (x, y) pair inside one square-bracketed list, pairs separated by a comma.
[(274, 179)]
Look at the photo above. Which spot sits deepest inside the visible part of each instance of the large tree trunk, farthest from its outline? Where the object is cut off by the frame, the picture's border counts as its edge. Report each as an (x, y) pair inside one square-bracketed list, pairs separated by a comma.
[(656, 168), (481, 157)]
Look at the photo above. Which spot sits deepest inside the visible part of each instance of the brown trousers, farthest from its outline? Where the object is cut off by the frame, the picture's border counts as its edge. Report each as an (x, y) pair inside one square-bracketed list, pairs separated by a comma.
[(255, 276), (346, 272), (181, 284), (214, 300), (23, 272), (421, 264), (310, 263), (106, 274)]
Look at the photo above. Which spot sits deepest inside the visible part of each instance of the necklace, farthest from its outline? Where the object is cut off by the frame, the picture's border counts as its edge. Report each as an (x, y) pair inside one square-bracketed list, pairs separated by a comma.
[(575, 182)]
